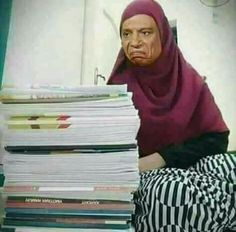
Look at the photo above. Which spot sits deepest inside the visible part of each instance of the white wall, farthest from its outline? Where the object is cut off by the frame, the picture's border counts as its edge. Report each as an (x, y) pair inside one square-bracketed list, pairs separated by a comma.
[(45, 44), (207, 38)]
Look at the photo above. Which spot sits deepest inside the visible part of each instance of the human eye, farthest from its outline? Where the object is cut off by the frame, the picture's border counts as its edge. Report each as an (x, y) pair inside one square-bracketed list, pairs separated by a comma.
[(125, 34), (146, 32)]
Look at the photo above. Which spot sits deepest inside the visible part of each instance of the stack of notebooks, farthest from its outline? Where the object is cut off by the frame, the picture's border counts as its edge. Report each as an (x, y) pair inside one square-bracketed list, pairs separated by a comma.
[(1, 172), (71, 159)]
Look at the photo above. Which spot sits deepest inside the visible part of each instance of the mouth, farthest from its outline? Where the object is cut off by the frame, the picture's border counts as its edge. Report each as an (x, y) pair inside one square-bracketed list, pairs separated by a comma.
[(136, 55)]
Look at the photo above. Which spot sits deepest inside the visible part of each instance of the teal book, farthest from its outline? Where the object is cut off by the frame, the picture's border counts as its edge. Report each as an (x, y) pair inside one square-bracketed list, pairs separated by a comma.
[(68, 223), (78, 212), (2, 178)]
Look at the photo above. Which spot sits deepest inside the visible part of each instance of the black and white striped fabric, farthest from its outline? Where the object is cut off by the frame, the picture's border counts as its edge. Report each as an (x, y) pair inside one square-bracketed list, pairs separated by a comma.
[(199, 199)]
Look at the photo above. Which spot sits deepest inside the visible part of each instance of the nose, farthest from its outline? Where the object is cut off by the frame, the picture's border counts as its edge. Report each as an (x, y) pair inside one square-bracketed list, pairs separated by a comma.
[(135, 41)]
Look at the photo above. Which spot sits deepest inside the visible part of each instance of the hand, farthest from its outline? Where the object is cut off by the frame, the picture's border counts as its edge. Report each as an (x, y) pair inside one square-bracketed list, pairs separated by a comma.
[(150, 162)]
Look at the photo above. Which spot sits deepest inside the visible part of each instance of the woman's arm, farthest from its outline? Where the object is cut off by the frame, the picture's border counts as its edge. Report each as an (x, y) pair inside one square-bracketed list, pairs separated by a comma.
[(188, 153), (153, 161)]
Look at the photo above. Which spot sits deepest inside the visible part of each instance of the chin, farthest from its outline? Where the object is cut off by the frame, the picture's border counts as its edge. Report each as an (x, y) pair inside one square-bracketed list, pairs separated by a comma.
[(140, 63)]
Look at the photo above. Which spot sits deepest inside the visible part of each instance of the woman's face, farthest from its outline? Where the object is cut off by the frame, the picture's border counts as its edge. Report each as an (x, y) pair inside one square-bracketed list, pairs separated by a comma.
[(140, 39)]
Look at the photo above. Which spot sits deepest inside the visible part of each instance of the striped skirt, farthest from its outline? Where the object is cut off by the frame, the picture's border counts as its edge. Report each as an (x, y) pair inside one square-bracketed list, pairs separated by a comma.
[(199, 199)]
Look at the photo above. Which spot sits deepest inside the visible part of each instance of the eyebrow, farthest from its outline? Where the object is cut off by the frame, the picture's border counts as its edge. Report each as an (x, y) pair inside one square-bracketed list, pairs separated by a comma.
[(140, 29)]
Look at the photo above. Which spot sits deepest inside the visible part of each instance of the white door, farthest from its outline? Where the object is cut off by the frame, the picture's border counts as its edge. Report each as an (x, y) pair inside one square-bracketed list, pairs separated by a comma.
[(102, 39)]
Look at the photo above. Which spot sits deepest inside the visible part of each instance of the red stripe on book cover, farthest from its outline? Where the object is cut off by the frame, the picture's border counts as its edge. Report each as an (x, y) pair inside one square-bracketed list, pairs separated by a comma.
[(63, 126), (63, 117)]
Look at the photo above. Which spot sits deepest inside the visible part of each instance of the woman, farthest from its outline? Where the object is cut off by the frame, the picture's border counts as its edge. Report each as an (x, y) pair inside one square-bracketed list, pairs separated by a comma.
[(187, 182)]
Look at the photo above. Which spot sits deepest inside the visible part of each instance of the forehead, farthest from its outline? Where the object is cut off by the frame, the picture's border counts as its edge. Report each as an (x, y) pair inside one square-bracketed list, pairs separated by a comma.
[(139, 21)]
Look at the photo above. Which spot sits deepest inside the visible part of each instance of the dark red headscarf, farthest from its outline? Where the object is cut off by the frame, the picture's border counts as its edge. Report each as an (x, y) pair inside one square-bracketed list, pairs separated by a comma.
[(173, 100)]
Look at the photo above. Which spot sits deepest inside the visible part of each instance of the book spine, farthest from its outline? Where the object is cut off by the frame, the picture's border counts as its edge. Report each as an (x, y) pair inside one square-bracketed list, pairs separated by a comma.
[(115, 189), (126, 217), (23, 199), (68, 212), (77, 220), (11, 222), (64, 206)]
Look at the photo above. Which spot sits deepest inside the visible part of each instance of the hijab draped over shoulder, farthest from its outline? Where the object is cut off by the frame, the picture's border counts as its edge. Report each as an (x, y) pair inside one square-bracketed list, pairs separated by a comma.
[(173, 101)]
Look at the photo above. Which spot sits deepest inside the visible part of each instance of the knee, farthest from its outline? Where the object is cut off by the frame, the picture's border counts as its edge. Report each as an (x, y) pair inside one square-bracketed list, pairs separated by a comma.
[(175, 192)]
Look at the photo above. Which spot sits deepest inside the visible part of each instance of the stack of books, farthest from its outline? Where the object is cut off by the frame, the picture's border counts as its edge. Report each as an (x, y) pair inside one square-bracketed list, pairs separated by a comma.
[(71, 158), (1, 172)]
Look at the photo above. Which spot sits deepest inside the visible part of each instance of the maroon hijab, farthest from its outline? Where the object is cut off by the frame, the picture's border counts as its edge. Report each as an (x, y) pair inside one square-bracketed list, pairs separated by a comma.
[(174, 102)]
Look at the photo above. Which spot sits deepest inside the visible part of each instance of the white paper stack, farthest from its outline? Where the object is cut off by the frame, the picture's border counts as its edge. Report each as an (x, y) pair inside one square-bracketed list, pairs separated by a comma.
[(71, 158)]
